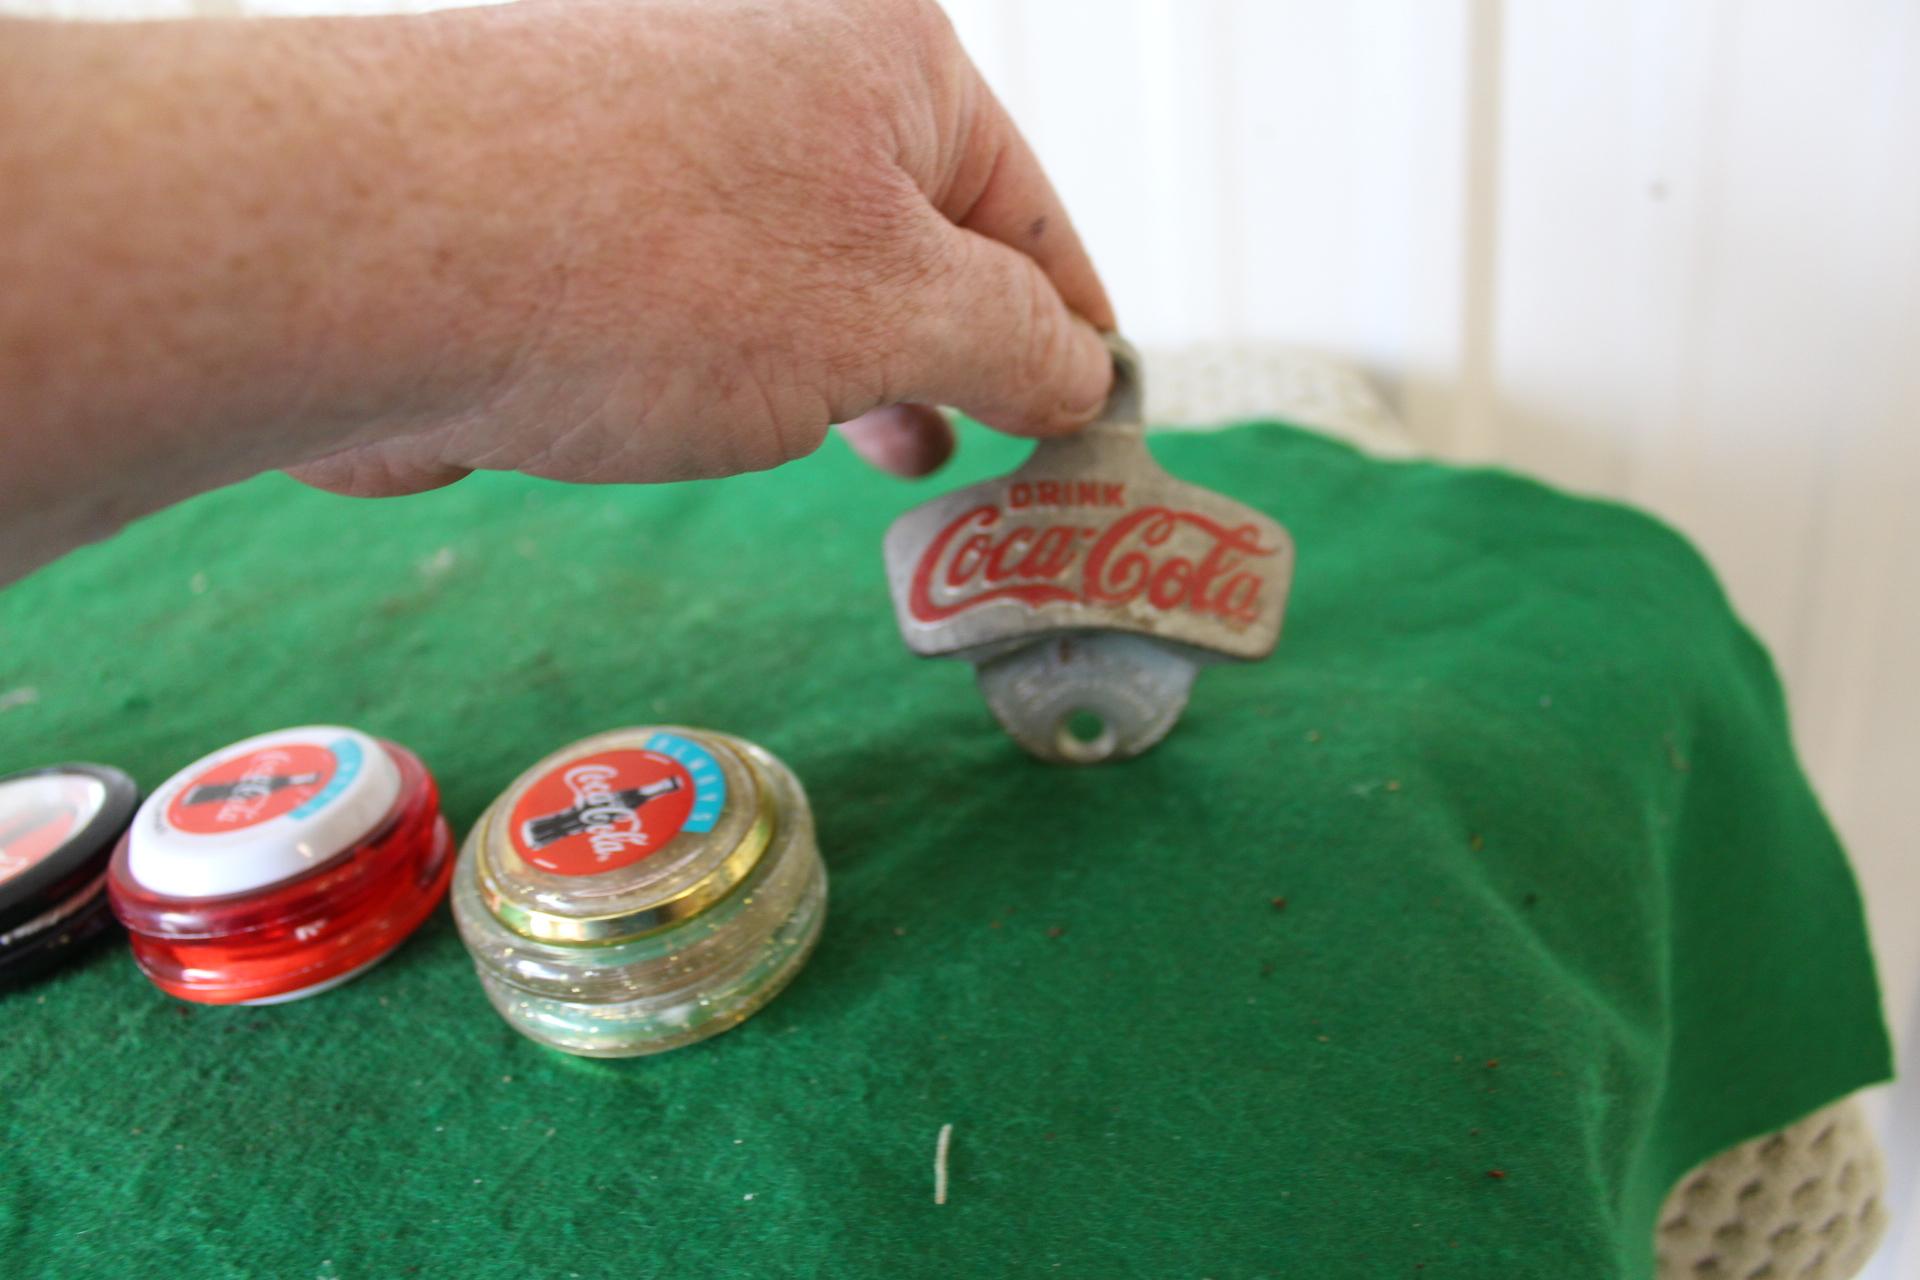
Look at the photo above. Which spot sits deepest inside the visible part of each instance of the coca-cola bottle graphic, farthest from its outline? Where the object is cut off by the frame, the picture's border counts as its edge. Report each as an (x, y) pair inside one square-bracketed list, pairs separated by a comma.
[(247, 787), (538, 833)]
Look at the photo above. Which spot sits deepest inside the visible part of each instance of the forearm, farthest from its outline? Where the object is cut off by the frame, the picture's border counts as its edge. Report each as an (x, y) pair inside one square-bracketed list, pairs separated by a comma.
[(598, 240), (228, 247)]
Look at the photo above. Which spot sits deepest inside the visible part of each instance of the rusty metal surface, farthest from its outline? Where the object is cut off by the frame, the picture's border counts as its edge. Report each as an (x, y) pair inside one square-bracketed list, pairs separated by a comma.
[(1089, 581)]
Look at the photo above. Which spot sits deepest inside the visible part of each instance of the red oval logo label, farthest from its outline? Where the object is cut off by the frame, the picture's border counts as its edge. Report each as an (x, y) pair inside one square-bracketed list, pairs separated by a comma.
[(253, 788), (36, 817), (602, 812)]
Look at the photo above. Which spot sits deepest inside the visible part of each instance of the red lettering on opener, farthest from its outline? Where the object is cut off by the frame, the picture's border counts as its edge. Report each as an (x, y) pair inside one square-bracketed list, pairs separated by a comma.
[(1066, 493), (1131, 558)]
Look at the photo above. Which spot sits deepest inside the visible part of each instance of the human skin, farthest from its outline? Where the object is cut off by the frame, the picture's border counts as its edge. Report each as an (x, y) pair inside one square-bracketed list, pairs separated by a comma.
[(596, 240)]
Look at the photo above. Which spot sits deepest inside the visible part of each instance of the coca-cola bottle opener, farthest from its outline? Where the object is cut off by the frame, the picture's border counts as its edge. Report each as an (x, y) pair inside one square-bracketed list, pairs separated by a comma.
[(1089, 586)]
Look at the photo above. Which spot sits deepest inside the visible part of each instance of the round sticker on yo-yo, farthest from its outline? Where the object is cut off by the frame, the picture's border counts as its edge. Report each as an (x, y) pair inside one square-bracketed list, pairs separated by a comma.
[(609, 810), (262, 811), (40, 812), (246, 790)]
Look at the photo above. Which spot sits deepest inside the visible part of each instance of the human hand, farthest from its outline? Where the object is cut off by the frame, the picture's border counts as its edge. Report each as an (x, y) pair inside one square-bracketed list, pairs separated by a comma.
[(679, 238)]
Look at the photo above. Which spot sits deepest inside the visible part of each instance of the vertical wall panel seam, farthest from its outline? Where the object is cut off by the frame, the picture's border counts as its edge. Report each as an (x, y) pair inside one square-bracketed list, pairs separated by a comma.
[(1013, 31), (1476, 429), (1227, 161), (1861, 652), (1682, 455)]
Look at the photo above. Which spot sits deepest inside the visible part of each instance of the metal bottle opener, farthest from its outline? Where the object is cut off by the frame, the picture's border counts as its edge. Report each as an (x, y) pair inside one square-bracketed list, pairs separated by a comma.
[(1089, 587)]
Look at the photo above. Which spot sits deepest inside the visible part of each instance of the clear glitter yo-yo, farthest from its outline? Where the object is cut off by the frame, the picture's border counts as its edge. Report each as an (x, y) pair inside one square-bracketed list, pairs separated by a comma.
[(640, 890)]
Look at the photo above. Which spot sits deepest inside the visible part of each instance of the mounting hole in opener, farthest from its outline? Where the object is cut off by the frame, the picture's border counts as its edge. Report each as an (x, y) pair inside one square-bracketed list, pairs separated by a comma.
[(1084, 736)]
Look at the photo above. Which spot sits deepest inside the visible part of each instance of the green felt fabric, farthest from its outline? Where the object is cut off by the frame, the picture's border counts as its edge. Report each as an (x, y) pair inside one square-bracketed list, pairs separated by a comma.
[(1523, 781)]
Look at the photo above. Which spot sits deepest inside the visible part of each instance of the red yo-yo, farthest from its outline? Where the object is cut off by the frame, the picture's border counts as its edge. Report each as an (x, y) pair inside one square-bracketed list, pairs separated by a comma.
[(281, 866)]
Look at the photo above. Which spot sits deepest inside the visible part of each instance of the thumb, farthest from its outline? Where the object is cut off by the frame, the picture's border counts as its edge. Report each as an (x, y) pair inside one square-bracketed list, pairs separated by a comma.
[(995, 341)]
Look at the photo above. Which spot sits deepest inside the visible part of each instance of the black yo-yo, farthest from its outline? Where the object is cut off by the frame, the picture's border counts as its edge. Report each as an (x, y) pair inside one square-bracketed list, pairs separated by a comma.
[(58, 826)]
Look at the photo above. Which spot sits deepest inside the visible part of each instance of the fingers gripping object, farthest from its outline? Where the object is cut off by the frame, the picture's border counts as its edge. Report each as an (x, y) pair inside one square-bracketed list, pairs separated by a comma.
[(1089, 586)]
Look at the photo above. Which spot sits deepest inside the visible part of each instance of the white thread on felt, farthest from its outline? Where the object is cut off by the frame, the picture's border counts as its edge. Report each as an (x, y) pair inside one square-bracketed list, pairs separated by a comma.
[(940, 1163)]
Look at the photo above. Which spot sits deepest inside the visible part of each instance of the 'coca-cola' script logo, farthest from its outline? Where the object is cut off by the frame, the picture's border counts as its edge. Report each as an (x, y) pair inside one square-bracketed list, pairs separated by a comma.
[(609, 810), (609, 825), (1161, 556)]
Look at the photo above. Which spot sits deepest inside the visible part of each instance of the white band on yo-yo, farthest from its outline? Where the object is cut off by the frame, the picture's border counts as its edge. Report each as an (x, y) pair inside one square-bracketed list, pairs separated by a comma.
[(262, 811)]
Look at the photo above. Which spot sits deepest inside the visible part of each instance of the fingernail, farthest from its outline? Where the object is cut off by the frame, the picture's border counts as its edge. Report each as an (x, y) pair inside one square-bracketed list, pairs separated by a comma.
[(1093, 352)]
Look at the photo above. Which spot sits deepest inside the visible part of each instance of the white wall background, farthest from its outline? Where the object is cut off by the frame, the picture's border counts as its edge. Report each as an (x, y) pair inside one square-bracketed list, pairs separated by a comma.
[(1664, 251)]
